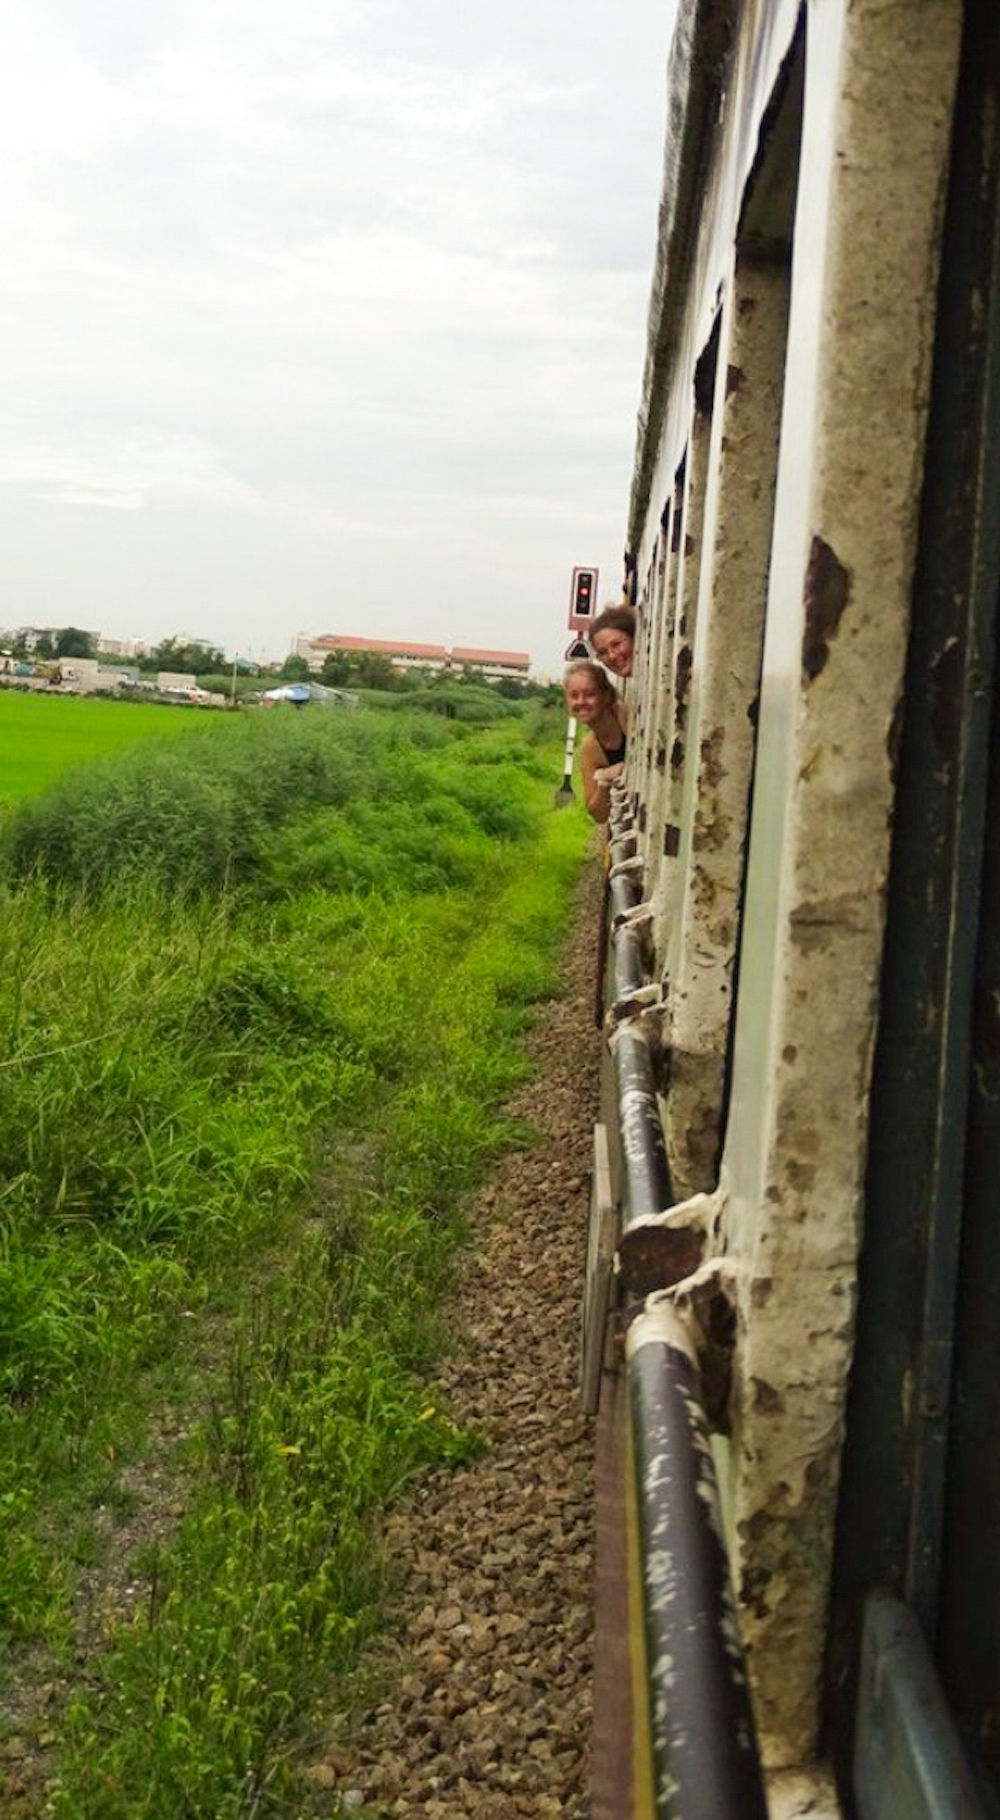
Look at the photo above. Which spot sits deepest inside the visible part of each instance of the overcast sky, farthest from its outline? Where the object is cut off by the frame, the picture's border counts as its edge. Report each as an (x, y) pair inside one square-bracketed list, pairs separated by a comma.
[(322, 315)]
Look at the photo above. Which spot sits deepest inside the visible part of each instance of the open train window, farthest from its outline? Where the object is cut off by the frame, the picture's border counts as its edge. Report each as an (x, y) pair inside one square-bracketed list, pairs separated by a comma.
[(659, 683)]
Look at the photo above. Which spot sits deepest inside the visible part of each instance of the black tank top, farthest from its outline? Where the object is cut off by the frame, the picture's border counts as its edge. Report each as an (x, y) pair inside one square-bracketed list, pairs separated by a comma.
[(617, 756)]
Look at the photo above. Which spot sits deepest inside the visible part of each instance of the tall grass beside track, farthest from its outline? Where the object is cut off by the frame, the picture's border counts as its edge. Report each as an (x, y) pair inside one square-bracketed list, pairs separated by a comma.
[(260, 1000)]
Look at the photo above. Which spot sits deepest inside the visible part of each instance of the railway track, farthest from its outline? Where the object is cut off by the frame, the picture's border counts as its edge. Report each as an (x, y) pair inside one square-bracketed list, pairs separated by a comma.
[(487, 1709)]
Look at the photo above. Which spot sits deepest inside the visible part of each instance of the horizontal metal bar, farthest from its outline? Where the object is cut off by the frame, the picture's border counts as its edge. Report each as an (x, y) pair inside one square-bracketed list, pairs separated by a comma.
[(629, 970), (624, 892), (705, 1762), (623, 846), (646, 1178), (657, 1247)]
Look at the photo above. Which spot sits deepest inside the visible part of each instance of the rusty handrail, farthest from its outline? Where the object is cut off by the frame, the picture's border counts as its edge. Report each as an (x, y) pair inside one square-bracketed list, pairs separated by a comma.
[(702, 1749)]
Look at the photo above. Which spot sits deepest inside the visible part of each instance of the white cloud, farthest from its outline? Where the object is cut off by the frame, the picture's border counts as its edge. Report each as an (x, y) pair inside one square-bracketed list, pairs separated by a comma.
[(357, 279), (54, 102), (121, 469)]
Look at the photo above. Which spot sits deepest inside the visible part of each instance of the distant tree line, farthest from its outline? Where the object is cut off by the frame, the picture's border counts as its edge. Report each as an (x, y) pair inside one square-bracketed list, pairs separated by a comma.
[(341, 670), (185, 658), (69, 642), (181, 655)]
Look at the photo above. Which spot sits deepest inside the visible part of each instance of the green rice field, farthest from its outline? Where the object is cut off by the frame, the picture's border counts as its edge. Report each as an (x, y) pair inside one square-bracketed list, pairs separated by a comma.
[(44, 736)]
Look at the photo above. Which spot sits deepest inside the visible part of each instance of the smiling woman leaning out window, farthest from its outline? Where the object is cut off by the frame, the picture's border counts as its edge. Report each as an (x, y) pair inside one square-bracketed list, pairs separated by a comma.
[(590, 698), (612, 636)]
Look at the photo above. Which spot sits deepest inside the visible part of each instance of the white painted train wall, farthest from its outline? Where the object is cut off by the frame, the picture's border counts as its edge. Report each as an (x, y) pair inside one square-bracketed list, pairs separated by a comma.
[(774, 516)]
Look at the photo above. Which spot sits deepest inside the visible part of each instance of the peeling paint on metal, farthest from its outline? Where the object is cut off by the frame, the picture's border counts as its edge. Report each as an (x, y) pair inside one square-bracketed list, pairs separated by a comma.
[(826, 593), (812, 924)]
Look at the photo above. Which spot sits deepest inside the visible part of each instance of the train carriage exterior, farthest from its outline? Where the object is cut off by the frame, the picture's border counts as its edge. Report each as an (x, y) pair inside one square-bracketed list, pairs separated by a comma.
[(799, 1146)]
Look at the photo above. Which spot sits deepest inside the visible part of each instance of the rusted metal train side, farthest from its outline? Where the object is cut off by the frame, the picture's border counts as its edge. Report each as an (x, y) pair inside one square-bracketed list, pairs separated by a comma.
[(802, 976)]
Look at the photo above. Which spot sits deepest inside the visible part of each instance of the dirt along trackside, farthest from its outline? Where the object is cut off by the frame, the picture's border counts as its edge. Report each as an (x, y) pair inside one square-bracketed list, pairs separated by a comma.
[(488, 1684)]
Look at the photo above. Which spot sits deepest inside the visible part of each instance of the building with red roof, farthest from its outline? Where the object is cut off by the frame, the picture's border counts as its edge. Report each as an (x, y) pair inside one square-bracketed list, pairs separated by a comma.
[(404, 655)]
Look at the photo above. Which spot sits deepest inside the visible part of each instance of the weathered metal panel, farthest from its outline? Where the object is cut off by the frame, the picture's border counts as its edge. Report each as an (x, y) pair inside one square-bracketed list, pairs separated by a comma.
[(710, 148), (663, 883), (714, 814), (878, 77), (866, 239)]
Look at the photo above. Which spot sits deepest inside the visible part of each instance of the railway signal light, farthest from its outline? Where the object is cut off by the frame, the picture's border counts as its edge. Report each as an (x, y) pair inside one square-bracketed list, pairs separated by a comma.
[(582, 599)]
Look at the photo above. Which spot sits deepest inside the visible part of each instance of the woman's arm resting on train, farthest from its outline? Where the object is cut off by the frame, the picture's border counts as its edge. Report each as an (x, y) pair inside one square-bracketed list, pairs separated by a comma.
[(596, 792)]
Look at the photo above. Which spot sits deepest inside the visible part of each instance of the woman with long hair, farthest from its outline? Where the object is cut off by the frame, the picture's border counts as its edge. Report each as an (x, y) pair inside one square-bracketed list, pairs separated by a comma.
[(590, 698)]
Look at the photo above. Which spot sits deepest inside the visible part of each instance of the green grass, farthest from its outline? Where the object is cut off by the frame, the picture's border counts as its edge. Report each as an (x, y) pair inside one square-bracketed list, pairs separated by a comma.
[(44, 736), (202, 813), (245, 1092)]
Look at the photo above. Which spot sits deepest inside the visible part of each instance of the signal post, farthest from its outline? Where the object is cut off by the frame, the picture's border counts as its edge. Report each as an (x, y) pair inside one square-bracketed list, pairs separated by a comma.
[(582, 603)]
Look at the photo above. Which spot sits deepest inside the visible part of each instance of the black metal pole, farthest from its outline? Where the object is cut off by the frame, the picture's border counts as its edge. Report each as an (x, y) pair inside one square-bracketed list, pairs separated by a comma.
[(630, 971), (623, 888), (705, 1761), (646, 1178)]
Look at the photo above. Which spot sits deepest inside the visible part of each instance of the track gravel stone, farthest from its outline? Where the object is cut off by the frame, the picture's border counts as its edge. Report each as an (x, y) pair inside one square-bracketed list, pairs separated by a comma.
[(488, 1702)]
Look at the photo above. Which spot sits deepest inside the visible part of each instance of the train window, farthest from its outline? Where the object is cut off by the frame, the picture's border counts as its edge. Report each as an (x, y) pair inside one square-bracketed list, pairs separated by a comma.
[(659, 685), (643, 717)]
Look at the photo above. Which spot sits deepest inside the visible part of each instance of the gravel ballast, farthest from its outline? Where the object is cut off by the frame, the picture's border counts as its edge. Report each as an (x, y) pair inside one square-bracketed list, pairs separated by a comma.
[(487, 1707)]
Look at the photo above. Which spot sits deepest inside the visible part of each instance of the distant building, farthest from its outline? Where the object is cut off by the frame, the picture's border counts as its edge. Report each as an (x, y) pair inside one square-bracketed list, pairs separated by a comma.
[(81, 675), (492, 663), (401, 655), (122, 647), (406, 656)]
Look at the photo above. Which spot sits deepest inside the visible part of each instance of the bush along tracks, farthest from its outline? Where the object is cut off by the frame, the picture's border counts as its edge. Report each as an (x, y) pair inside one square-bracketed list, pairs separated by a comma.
[(251, 1076)]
